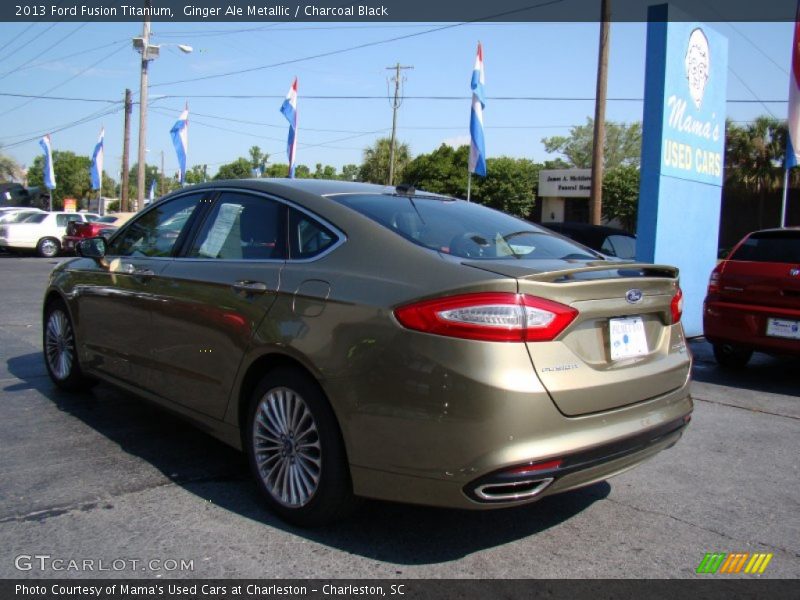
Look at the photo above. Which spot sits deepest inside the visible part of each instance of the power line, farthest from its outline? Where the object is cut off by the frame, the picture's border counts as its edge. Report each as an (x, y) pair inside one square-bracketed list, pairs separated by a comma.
[(50, 47), (55, 87), (88, 118), (73, 55), (63, 98), (357, 47)]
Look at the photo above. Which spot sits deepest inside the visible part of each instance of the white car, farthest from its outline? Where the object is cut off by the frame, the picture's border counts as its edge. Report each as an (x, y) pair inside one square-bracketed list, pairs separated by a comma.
[(15, 215), (41, 232)]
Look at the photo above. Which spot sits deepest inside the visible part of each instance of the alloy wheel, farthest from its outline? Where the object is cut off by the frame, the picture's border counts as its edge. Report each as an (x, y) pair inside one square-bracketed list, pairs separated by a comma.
[(286, 446), (59, 344)]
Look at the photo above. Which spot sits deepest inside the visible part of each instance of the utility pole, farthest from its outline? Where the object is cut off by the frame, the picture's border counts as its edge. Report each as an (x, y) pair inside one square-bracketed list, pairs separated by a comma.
[(146, 58), (598, 143), (396, 102), (126, 143)]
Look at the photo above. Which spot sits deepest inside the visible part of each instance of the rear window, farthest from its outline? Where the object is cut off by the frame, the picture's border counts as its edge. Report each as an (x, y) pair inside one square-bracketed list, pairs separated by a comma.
[(462, 229), (770, 246)]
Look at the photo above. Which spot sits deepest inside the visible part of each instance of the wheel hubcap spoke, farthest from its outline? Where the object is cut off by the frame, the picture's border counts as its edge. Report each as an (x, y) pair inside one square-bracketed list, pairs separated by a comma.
[(59, 345), (287, 448)]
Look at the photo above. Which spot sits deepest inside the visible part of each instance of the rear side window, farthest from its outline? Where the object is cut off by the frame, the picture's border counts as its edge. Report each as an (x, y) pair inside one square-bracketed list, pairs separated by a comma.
[(770, 246), (35, 218), (307, 236), (621, 246), (463, 229), (62, 220), (242, 227)]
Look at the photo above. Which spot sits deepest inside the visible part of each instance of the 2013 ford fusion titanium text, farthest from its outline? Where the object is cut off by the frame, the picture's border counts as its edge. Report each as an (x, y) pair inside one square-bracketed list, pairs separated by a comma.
[(363, 341)]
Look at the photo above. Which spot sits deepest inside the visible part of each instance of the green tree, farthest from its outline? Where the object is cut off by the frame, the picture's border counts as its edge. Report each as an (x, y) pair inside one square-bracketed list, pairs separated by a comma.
[(754, 154), (375, 164), (238, 169), (326, 172), (9, 169), (150, 173), (197, 174), (258, 159), (510, 185), (71, 172), (277, 170), (621, 195), (443, 171), (349, 173), (623, 144)]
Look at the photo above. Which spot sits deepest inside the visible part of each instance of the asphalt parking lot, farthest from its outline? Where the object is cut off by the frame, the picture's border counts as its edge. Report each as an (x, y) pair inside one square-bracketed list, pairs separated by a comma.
[(103, 475)]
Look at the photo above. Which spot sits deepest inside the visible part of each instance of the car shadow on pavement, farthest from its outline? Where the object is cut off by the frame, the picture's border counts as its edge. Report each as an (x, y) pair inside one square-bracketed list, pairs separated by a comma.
[(764, 373), (187, 457)]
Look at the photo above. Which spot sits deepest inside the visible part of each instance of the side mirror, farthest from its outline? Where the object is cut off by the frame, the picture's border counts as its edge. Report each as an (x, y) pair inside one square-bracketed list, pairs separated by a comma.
[(92, 248)]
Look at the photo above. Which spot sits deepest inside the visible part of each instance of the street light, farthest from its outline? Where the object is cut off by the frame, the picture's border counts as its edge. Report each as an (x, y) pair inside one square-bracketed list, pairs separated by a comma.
[(149, 52)]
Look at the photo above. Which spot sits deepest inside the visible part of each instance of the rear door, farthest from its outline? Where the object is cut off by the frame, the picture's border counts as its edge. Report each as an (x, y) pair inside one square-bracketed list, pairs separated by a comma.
[(214, 297)]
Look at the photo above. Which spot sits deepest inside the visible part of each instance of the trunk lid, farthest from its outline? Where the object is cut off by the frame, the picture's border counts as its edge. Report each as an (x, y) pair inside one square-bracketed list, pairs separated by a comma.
[(763, 270), (592, 366)]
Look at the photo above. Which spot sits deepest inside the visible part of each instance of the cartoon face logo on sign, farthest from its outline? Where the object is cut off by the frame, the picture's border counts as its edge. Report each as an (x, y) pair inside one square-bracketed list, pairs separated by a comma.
[(698, 65)]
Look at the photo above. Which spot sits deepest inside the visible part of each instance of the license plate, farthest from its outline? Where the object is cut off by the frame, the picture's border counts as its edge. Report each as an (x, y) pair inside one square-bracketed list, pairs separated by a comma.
[(627, 337), (783, 328)]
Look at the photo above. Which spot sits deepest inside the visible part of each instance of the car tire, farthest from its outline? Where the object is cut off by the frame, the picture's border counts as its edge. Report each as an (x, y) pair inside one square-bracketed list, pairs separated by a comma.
[(296, 452), (48, 247), (60, 350), (732, 357)]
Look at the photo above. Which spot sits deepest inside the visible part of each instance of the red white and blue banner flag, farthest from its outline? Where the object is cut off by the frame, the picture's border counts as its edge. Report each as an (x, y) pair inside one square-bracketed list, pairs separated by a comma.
[(477, 149), (793, 139), (49, 174), (289, 110), (96, 170), (180, 139)]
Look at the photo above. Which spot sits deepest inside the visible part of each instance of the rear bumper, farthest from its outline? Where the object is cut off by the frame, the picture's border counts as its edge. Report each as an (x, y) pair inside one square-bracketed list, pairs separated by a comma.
[(69, 242), (591, 448), (746, 326)]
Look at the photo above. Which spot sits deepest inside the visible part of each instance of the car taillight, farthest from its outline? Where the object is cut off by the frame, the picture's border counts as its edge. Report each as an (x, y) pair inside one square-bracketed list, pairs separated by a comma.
[(489, 316), (713, 281), (676, 306)]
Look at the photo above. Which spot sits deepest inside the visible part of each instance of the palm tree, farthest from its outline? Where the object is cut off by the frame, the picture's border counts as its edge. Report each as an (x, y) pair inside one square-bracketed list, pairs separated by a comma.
[(375, 166), (754, 156)]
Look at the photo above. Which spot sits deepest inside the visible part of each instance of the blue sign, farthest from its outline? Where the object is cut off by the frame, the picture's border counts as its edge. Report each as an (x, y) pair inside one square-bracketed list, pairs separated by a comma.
[(683, 152)]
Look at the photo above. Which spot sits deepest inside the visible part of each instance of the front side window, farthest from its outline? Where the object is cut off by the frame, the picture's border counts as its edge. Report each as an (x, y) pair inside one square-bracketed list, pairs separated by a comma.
[(242, 226), (463, 229), (155, 233)]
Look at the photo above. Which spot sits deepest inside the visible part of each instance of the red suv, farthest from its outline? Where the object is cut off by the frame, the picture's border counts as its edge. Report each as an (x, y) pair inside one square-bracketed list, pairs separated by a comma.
[(753, 301)]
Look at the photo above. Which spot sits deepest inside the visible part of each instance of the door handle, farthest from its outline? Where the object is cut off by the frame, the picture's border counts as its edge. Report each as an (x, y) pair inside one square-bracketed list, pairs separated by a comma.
[(131, 269), (250, 287)]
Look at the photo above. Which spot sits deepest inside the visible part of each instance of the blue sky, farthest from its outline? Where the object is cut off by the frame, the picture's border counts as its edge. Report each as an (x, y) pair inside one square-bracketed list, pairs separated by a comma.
[(522, 59)]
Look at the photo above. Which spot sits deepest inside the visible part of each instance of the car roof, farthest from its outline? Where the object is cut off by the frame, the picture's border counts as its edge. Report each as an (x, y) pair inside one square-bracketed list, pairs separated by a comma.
[(319, 187)]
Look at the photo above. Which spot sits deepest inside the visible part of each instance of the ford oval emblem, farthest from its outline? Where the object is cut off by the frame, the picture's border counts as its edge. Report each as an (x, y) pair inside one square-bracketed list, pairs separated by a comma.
[(633, 296)]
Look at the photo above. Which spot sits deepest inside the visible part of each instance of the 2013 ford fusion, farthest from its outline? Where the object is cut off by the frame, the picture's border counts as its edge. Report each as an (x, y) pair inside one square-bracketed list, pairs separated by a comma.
[(365, 341)]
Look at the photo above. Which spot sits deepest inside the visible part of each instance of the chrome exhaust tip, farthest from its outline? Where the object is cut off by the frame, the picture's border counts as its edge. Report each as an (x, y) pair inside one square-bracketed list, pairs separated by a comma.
[(512, 491)]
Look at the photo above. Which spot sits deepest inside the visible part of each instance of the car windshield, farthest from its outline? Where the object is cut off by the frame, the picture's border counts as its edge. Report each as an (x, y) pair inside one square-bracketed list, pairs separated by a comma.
[(770, 246), (35, 218), (463, 229), (110, 219)]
